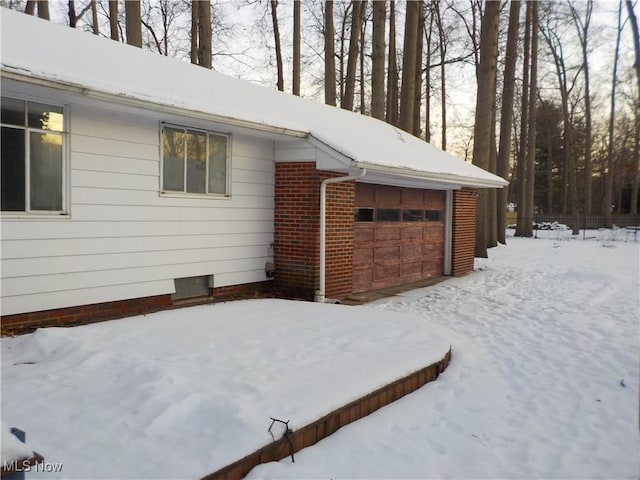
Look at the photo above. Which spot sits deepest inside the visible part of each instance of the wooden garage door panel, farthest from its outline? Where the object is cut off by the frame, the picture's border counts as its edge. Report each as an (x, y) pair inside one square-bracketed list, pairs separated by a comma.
[(387, 232), (411, 269), (387, 255), (412, 232), (412, 252), (363, 233), (363, 278), (384, 273), (362, 257)]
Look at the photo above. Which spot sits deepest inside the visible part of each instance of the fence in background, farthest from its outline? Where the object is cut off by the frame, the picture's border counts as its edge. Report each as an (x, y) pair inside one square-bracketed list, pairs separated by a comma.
[(559, 226)]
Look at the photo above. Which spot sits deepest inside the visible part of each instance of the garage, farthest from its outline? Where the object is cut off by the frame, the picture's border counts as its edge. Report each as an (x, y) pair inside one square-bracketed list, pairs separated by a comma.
[(398, 236)]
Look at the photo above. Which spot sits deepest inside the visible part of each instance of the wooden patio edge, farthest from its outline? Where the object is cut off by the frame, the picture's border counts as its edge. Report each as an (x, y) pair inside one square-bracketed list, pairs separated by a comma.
[(325, 426)]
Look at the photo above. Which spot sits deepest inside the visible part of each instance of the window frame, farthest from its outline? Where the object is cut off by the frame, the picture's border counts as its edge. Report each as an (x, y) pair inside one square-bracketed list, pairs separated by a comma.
[(66, 163), (185, 194)]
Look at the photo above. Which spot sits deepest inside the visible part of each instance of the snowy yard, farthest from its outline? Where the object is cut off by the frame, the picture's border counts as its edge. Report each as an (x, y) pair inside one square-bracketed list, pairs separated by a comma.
[(543, 381)]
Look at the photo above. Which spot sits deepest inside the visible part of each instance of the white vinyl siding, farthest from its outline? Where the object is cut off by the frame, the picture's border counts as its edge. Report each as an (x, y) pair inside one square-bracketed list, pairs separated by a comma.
[(125, 240)]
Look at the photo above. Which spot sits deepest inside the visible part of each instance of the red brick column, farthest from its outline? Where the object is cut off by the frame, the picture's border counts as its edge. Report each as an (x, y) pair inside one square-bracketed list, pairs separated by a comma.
[(464, 231), (297, 231)]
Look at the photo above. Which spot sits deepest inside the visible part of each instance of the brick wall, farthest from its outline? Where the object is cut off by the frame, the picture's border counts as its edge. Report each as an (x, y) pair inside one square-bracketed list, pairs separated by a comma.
[(98, 312), (297, 231), (464, 231)]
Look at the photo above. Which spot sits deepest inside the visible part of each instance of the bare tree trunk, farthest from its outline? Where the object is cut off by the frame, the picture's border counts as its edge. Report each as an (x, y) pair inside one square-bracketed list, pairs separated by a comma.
[(531, 143), (485, 104), (549, 173), (134, 23), (377, 59), (352, 62), (204, 34), (521, 169), (427, 81), (506, 117), (407, 92), (113, 20), (392, 71), (30, 7), (296, 48), (329, 55), (417, 102), (608, 195), (583, 35), (73, 18), (443, 78), (276, 39), (94, 18), (636, 145), (194, 32), (43, 9), (492, 209), (363, 33)]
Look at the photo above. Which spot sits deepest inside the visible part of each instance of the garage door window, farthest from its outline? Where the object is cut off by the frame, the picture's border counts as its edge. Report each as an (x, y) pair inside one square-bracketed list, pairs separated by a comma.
[(364, 215), (388, 214), (412, 215), (433, 215)]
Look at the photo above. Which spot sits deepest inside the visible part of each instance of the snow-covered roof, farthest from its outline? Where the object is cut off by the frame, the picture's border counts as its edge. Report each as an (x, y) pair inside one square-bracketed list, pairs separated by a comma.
[(36, 49)]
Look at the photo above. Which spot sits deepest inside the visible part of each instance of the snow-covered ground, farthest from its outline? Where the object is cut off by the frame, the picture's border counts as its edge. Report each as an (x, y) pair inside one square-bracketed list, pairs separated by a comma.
[(180, 394), (543, 381)]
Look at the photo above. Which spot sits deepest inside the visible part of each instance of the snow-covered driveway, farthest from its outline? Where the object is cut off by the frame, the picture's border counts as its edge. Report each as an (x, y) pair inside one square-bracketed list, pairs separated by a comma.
[(543, 381)]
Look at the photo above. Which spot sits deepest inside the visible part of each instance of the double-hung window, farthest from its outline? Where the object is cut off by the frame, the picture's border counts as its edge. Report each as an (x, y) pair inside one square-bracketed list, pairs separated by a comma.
[(32, 159), (194, 161)]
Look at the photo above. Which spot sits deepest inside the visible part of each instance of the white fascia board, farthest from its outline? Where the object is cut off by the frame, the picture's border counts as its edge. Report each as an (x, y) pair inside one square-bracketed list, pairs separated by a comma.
[(344, 161), (21, 75), (441, 178)]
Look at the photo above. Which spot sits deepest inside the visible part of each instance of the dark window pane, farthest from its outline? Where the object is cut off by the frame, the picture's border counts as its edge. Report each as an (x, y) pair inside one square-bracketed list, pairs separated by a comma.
[(45, 117), (433, 215), (364, 215), (217, 164), (412, 215), (196, 162), (12, 174), (45, 171), (12, 111), (173, 159), (388, 215)]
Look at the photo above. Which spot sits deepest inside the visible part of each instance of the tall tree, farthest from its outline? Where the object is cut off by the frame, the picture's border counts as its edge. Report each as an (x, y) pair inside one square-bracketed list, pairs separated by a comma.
[(95, 26), (113, 20), (276, 39), (352, 62), (417, 98), (442, 47), (195, 16), (409, 53), (582, 28), (392, 71), (377, 59), (531, 142), (521, 169), (485, 105), (204, 34), (608, 194), (296, 48), (636, 145), (506, 116), (329, 55), (43, 9), (133, 22)]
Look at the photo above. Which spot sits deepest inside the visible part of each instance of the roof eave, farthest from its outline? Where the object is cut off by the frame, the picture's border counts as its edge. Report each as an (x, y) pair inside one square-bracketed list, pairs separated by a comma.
[(443, 178), (23, 75)]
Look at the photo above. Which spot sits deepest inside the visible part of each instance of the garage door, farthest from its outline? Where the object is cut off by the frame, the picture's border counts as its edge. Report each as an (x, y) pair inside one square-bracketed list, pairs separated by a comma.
[(398, 236)]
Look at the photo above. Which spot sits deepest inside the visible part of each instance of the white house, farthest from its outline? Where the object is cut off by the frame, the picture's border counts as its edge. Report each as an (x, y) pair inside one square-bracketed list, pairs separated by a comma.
[(133, 182)]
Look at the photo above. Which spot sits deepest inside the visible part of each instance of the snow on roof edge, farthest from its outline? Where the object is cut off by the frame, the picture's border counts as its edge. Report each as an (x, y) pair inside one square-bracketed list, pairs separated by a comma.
[(161, 80)]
